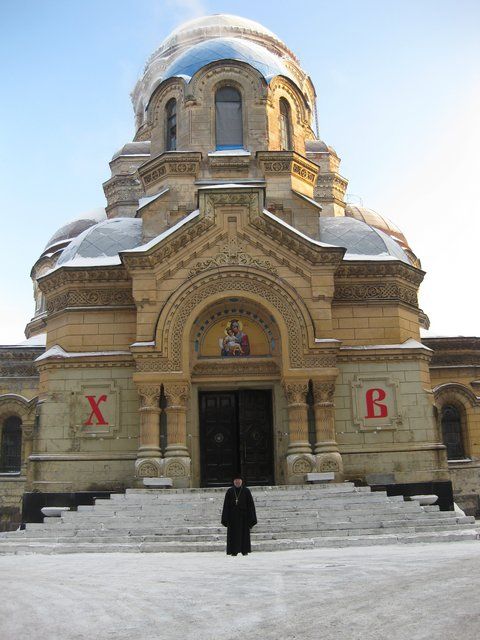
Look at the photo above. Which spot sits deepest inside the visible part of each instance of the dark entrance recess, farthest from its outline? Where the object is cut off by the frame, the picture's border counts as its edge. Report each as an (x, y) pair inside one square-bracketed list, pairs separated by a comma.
[(236, 436)]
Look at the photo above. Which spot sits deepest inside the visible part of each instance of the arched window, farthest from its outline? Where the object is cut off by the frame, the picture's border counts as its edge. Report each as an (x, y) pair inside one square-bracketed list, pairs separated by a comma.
[(452, 432), (11, 446), (171, 125), (285, 126), (228, 119)]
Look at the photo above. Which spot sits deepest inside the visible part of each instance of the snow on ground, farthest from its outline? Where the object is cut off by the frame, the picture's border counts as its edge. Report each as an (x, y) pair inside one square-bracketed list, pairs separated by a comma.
[(418, 591)]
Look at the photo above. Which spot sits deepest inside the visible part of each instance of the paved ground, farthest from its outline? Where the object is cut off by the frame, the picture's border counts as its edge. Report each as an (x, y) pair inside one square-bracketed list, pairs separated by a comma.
[(416, 591)]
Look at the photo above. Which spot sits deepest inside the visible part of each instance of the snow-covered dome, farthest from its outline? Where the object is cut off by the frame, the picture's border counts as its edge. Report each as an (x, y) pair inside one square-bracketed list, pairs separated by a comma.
[(103, 240), (217, 26), (360, 239), (201, 41), (203, 53), (72, 229)]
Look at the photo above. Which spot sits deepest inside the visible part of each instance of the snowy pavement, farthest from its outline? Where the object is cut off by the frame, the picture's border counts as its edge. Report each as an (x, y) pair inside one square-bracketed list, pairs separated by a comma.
[(418, 591)]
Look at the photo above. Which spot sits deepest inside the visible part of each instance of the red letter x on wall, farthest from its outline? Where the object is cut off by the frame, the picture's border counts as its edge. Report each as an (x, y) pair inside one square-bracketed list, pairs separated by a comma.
[(94, 404), (375, 409)]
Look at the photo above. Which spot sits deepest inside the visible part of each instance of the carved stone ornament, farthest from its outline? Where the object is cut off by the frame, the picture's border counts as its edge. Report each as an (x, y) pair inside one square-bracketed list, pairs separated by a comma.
[(326, 462), (302, 466), (232, 254), (289, 162)]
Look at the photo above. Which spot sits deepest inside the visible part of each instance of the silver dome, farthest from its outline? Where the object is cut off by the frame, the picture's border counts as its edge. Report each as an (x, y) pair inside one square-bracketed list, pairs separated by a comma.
[(201, 54), (73, 228), (105, 239), (360, 239)]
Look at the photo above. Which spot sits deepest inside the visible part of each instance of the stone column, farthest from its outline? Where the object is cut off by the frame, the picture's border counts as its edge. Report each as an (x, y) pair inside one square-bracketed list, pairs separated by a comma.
[(177, 455), (299, 453), (149, 463), (327, 455)]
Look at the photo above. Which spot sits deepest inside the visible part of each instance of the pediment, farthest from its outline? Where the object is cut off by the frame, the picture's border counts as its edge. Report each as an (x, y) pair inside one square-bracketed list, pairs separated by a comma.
[(231, 228)]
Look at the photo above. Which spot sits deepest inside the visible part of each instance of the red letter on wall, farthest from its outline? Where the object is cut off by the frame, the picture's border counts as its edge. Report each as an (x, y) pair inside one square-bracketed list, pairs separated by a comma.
[(375, 409), (96, 411)]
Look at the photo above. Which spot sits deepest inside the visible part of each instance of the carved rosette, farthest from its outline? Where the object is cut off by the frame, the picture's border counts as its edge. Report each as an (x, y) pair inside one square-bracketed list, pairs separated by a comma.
[(149, 468)]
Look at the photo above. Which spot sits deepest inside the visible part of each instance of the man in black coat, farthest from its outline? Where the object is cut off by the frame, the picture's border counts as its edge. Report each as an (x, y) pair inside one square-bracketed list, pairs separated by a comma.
[(239, 517)]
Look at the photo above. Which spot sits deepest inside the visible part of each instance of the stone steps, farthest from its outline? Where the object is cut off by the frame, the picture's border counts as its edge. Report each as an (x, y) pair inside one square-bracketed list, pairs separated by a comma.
[(146, 520), (20, 548)]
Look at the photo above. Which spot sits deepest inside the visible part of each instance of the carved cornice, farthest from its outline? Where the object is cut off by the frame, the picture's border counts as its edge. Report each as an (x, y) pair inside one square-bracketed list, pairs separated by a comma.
[(169, 248), (379, 269), (390, 291), (122, 189), (171, 163), (69, 276), (288, 162), (19, 363), (229, 163), (91, 298), (313, 253)]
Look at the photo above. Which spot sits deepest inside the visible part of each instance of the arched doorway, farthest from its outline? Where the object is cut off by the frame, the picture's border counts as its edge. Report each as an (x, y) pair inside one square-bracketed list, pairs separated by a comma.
[(234, 363)]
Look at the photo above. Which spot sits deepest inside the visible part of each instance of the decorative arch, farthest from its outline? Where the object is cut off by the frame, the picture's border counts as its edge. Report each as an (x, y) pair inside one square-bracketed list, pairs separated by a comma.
[(246, 79), (12, 404), (455, 392), (175, 320), (281, 87), (172, 88)]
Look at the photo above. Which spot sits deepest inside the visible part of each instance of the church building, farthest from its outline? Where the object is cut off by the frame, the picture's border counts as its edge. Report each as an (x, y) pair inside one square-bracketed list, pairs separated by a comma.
[(228, 311)]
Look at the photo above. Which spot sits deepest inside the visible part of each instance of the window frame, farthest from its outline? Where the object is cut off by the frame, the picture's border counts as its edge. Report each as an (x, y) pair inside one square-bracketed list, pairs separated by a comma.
[(240, 123)]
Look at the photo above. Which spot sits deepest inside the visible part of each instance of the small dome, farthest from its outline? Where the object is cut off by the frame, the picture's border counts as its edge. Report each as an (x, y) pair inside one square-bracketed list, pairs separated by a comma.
[(360, 239), (73, 228), (318, 146), (139, 148), (104, 239), (376, 220), (201, 54)]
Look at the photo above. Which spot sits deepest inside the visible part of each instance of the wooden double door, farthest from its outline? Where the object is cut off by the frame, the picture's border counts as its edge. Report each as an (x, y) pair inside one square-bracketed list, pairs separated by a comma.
[(236, 435)]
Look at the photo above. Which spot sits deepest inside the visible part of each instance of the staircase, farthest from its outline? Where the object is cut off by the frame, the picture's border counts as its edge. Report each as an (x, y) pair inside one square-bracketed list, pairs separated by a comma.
[(290, 517)]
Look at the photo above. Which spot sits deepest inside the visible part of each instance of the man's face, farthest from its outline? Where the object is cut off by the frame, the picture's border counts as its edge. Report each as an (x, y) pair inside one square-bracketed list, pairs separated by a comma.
[(238, 482)]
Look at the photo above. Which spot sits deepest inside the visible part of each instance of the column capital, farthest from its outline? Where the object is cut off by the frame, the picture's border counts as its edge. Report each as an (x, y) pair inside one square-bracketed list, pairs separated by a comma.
[(323, 392), (149, 395), (177, 393), (296, 391)]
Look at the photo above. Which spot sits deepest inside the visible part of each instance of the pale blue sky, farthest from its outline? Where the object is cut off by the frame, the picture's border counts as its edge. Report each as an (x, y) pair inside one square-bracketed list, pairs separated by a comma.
[(398, 84)]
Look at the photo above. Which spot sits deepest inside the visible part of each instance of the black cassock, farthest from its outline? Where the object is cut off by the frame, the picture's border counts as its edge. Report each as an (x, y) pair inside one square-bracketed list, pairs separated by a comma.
[(239, 517)]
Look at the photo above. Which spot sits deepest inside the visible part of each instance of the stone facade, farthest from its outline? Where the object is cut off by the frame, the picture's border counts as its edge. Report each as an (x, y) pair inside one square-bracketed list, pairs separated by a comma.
[(232, 287)]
